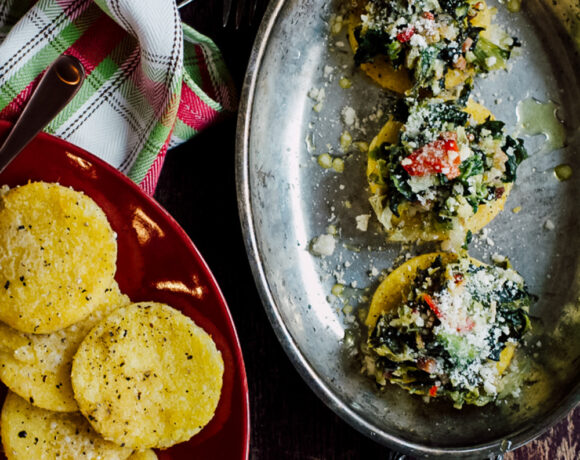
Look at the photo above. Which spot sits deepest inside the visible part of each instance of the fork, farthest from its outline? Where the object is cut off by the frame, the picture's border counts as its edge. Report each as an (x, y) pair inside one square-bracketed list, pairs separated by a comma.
[(56, 88), (227, 9)]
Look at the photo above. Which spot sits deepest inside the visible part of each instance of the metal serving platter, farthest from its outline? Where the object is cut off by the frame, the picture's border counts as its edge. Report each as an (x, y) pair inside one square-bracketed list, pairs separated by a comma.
[(286, 200)]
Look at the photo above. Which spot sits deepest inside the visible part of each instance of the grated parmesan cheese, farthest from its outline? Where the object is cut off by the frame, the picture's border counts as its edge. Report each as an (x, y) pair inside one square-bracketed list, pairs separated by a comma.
[(362, 222), (323, 245)]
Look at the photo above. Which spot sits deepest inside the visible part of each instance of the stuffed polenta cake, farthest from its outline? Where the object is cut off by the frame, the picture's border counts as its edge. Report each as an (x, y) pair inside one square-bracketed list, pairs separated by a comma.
[(427, 47), (438, 170), (446, 327)]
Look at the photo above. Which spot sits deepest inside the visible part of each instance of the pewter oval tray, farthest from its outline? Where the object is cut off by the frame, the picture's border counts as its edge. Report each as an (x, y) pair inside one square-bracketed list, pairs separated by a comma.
[(286, 200)]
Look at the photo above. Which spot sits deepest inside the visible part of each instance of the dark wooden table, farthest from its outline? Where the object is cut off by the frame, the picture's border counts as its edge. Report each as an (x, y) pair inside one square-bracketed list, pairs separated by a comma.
[(197, 186)]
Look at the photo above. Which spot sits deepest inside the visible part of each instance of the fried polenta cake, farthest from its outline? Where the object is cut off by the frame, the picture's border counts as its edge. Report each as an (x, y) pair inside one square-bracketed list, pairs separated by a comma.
[(58, 256), (37, 367), (147, 376), (29, 432)]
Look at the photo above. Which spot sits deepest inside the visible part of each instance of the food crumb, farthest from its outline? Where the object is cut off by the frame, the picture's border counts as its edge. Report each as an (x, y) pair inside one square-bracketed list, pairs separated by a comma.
[(498, 258), (318, 95), (338, 165), (328, 70), (323, 245), (345, 83), (345, 141), (348, 115), (324, 160), (362, 222)]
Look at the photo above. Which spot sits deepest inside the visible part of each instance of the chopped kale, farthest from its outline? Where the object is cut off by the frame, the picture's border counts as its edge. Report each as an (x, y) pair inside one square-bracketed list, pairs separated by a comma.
[(450, 54), (447, 112), (509, 294), (401, 110), (375, 42), (424, 68), (399, 192), (456, 8), (489, 56), (398, 182), (473, 33), (396, 178), (386, 364), (468, 239), (518, 320), (393, 51), (493, 126), (516, 153), (495, 348), (465, 93), (472, 166), (393, 338)]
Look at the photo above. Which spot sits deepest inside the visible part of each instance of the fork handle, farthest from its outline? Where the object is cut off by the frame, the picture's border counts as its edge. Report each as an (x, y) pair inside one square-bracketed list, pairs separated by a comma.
[(56, 88)]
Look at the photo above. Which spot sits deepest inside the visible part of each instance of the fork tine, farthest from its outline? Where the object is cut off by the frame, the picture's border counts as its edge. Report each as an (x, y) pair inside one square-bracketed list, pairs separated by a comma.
[(226, 12), (183, 3), (253, 8), (240, 13)]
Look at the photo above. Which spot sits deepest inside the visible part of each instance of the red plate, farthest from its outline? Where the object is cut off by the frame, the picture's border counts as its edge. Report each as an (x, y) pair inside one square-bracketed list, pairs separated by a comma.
[(157, 261)]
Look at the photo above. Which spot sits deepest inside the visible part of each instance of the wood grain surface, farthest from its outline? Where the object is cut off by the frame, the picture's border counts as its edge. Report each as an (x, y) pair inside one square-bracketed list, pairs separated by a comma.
[(561, 442), (197, 186)]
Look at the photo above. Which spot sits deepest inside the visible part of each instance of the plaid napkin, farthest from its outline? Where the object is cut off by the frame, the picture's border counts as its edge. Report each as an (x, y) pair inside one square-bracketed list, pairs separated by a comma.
[(152, 82)]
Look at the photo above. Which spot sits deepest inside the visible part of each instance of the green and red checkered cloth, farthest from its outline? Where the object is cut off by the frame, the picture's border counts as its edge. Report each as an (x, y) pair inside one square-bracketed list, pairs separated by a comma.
[(152, 82)]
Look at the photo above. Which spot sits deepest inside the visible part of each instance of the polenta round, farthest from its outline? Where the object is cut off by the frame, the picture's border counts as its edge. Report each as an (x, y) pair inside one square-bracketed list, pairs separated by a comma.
[(57, 256), (442, 325), (426, 48), (29, 432), (441, 171), (147, 376), (37, 367)]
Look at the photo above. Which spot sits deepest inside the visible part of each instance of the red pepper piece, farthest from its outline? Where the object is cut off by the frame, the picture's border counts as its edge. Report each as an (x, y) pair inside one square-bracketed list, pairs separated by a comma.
[(428, 15), (458, 278), (432, 305), (439, 156), (406, 34), (451, 144), (433, 391)]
